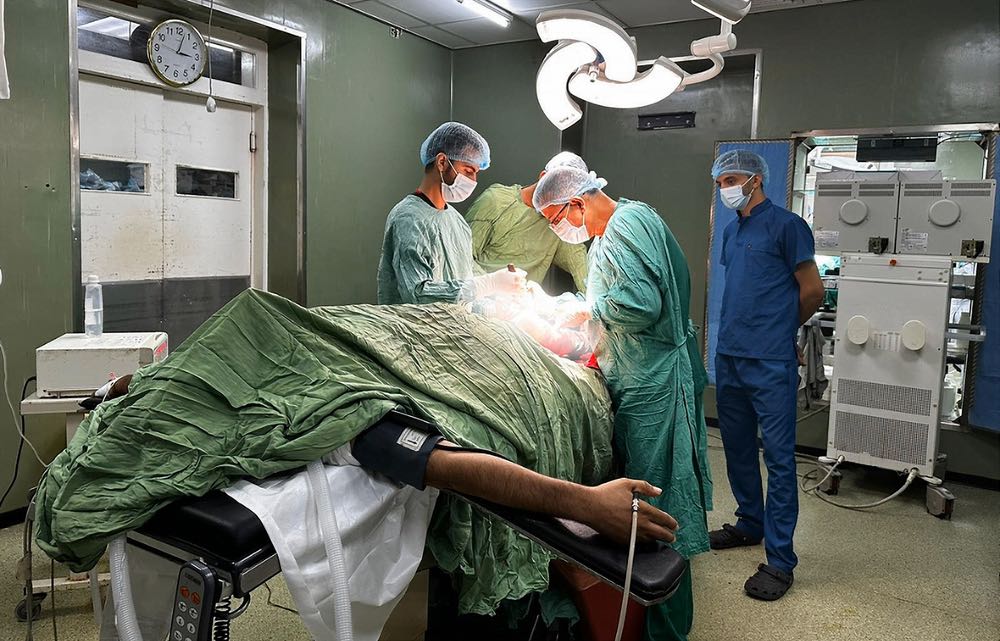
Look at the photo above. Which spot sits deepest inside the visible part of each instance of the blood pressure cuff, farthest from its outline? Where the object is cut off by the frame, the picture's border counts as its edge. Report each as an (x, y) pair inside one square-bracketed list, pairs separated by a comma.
[(397, 451)]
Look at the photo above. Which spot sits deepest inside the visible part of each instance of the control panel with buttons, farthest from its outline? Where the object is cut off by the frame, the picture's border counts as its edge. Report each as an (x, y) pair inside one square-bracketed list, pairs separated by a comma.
[(196, 585)]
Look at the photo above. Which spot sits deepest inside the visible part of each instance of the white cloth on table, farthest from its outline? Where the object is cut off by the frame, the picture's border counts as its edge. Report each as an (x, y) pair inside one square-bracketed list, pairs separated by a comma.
[(383, 528)]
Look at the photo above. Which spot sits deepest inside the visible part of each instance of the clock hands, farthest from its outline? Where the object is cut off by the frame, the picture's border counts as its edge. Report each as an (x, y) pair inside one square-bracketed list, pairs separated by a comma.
[(181, 46)]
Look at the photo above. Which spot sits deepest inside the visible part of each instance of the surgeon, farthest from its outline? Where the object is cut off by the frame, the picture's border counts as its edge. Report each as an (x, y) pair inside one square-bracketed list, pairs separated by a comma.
[(772, 287), (427, 247), (639, 292), (507, 229)]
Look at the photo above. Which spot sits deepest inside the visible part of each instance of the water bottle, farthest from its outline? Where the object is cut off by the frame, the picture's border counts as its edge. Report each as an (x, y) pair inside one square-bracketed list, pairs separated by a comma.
[(93, 308)]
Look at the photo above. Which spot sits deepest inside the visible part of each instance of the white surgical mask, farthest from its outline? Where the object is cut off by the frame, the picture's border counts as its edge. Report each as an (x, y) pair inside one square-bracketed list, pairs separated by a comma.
[(733, 197), (570, 233), (460, 189)]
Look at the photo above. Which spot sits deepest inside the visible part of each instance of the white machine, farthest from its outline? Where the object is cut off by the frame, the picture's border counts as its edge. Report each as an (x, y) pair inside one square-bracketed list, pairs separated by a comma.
[(77, 364), (898, 235), (855, 211), (892, 314), (946, 218)]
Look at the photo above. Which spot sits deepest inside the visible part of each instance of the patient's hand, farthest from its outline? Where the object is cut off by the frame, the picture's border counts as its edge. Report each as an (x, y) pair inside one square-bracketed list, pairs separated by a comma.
[(611, 513), (607, 508)]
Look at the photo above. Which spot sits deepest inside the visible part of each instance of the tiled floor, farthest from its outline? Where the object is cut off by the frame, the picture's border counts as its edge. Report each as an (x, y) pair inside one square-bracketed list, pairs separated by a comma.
[(892, 574)]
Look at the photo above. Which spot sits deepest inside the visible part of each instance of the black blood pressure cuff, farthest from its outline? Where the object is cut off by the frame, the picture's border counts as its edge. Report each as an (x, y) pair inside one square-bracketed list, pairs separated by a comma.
[(398, 451)]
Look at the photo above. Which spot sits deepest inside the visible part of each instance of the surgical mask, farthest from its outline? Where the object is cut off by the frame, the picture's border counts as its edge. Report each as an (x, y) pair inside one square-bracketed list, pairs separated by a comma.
[(460, 189), (570, 233), (733, 197)]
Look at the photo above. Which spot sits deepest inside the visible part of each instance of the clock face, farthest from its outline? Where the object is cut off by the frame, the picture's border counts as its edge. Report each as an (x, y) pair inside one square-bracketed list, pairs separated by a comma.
[(177, 53)]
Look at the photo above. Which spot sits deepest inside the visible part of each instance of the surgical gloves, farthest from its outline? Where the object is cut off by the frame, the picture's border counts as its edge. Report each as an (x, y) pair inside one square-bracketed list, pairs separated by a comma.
[(502, 281)]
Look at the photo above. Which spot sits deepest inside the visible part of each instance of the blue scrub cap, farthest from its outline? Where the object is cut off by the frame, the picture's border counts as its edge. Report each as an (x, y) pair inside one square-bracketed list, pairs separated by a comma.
[(740, 161), (562, 184), (458, 142)]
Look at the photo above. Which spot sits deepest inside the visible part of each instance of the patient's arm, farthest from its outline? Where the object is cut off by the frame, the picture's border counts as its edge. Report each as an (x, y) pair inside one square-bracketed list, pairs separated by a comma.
[(607, 508)]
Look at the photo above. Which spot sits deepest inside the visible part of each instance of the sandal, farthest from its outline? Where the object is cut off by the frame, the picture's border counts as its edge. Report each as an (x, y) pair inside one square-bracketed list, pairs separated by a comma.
[(769, 583), (729, 537)]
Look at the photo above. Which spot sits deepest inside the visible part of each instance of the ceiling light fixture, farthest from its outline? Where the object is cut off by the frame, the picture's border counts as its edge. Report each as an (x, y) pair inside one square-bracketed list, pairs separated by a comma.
[(550, 83), (489, 11), (614, 81), (603, 34), (649, 87)]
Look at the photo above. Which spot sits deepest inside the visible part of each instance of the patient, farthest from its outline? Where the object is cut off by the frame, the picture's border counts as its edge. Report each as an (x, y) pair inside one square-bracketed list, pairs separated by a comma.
[(265, 387), (606, 507)]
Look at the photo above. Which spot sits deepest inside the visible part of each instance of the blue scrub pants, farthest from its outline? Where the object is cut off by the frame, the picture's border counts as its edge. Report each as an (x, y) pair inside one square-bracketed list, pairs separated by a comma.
[(753, 392)]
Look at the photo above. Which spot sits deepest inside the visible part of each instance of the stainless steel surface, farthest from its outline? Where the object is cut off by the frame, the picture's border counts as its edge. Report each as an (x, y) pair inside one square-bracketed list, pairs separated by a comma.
[(902, 131), (948, 426), (965, 336), (74, 169), (972, 362)]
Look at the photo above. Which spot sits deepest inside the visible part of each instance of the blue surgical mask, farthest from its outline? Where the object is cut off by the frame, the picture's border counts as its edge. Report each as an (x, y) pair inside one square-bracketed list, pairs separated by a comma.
[(733, 197)]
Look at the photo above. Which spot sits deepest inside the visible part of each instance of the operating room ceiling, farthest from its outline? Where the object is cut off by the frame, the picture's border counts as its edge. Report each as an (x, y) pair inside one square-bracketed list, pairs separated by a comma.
[(448, 23)]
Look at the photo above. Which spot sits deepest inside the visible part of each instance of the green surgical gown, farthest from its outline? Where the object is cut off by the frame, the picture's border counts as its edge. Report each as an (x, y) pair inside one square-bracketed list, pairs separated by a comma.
[(426, 255), (505, 230), (640, 290)]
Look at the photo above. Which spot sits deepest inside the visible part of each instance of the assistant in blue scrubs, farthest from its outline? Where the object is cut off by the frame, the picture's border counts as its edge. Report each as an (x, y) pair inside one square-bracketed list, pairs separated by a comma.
[(771, 287)]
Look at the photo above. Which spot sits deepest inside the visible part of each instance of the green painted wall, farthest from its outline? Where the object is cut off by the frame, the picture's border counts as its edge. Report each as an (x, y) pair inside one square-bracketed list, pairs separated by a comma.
[(370, 100), (495, 95), (35, 235)]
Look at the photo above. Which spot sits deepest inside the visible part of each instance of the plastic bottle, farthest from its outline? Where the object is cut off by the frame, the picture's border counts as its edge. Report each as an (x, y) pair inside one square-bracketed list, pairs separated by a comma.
[(93, 307)]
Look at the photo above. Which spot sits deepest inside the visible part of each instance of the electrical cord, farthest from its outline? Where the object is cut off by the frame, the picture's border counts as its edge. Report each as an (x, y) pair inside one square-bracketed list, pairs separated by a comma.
[(277, 605), (20, 443), (808, 475), (628, 566), (913, 473), (10, 404), (52, 589)]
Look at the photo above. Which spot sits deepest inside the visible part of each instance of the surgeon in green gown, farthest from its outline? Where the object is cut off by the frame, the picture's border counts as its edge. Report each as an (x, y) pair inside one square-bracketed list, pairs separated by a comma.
[(427, 246), (507, 229), (639, 292)]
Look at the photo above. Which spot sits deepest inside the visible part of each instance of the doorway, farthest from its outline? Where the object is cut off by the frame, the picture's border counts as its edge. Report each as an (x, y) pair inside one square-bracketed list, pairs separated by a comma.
[(172, 196)]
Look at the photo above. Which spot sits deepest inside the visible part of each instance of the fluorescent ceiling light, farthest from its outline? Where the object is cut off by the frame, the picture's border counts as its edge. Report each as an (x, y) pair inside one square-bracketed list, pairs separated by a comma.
[(550, 83), (731, 11), (601, 33), (648, 88), (488, 11)]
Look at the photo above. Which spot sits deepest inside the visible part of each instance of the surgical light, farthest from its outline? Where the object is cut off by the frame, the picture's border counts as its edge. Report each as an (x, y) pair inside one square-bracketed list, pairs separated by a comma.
[(571, 69), (649, 87), (488, 11), (550, 83), (601, 33), (732, 11)]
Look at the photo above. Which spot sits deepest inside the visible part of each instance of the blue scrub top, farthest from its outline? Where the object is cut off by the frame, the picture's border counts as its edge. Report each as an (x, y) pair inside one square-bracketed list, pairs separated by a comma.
[(760, 304)]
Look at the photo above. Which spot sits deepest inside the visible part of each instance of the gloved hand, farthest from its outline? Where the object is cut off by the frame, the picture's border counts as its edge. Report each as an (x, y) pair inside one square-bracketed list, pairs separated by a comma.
[(502, 281)]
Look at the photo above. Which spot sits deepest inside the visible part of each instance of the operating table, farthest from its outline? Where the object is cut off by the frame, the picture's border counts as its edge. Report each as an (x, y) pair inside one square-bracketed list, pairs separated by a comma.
[(229, 539)]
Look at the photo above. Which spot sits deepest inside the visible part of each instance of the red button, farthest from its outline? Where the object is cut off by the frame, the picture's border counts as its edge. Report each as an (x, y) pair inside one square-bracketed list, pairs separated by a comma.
[(195, 598), (892, 262), (185, 592)]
